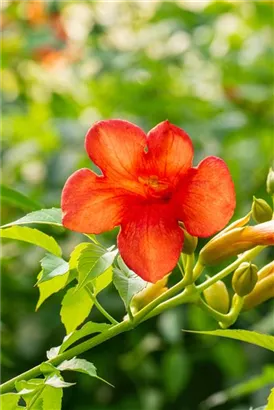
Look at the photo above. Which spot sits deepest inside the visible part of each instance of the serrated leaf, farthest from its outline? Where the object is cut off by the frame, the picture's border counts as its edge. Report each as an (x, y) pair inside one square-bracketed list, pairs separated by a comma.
[(52, 266), (76, 306), (270, 400), (57, 382), (52, 398), (29, 388), (88, 329), (33, 236), (102, 281), (9, 401), (92, 262), (259, 339), (17, 199), (75, 254), (52, 216), (80, 365), (46, 289), (127, 282)]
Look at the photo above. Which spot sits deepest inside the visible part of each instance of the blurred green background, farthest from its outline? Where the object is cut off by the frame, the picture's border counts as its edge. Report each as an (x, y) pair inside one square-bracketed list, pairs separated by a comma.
[(207, 67)]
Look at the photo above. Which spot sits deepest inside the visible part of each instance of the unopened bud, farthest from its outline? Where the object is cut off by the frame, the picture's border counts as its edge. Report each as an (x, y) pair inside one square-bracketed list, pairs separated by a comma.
[(261, 211), (217, 297), (245, 278), (263, 291), (149, 293), (270, 182), (266, 271), (190, 243)]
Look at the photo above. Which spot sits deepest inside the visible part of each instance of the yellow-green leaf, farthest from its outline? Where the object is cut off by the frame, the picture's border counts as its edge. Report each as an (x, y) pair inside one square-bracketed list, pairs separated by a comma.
[(51, 216), (270, 401), (9, 401), (259, 339), (34, 236), (75, 308), (46, 289)]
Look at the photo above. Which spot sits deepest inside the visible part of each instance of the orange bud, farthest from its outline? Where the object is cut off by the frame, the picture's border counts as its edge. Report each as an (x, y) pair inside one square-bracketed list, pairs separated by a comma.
[(217, 297), (236, 241), (266, 270)]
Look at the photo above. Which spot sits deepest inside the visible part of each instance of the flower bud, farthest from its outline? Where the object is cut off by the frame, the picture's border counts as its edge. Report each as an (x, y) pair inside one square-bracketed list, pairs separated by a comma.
[(149, 293), (245, 278), (190, 243), (270, 182), (236, 241), (263, 291), (261, 211), (266, 271), (217, 297)]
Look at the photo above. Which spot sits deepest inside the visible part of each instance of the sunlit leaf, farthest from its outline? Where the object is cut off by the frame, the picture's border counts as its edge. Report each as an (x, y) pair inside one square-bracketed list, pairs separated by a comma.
[(33, 236), (75, 308), (52, 266), (80, 365), (248, 336), (9, 401), (17, 199), (127, 282), (102, 281), (48, 288), (75, 254), (270, 400), (92, 262), (52, 398), (57, 382), (88, 329), (52, 216)]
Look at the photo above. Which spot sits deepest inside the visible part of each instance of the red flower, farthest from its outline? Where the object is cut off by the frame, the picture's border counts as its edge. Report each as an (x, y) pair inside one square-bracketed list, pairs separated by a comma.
[(147, 187)]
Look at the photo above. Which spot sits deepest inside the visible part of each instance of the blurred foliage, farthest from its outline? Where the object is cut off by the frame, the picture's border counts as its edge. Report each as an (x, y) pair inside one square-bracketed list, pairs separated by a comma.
[(207, 67)]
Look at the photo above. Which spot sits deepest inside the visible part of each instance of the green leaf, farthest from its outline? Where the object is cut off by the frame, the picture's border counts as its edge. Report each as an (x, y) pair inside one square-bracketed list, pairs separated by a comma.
[(82, 366), (75, 254), (102, 281), (17, 199), (52, 398), (88, 329), (33, 236), (48, 368), (9, 401), (242, 389), (75, 308), (270, 400), (52, 266), (52, 216), (92, 262), (29, 388), (248, 336), (57, 382), (127, 282), (46, 289)]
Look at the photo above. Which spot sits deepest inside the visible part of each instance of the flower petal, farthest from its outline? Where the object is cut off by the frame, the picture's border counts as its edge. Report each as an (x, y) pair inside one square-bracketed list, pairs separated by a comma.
[(206, 198), (170, 151), (150, 241), (116, 147), (90, 204)]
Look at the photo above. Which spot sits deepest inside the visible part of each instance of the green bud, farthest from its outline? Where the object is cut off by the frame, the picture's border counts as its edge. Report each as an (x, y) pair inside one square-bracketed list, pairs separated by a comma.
[(245, 278), (190, 243), (270, 182), (261, 211), (217, 297)]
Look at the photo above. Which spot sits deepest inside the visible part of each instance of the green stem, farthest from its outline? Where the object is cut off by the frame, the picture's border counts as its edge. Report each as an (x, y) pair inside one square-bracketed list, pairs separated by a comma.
[(100, 307), (247, 256)]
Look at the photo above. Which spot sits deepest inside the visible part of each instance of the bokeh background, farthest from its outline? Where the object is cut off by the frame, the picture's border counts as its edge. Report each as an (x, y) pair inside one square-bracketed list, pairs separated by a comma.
[(207, 67)]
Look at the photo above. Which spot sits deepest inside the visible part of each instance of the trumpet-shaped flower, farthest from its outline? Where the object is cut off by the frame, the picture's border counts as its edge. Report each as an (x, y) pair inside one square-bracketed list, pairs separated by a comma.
[(147, 186)]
